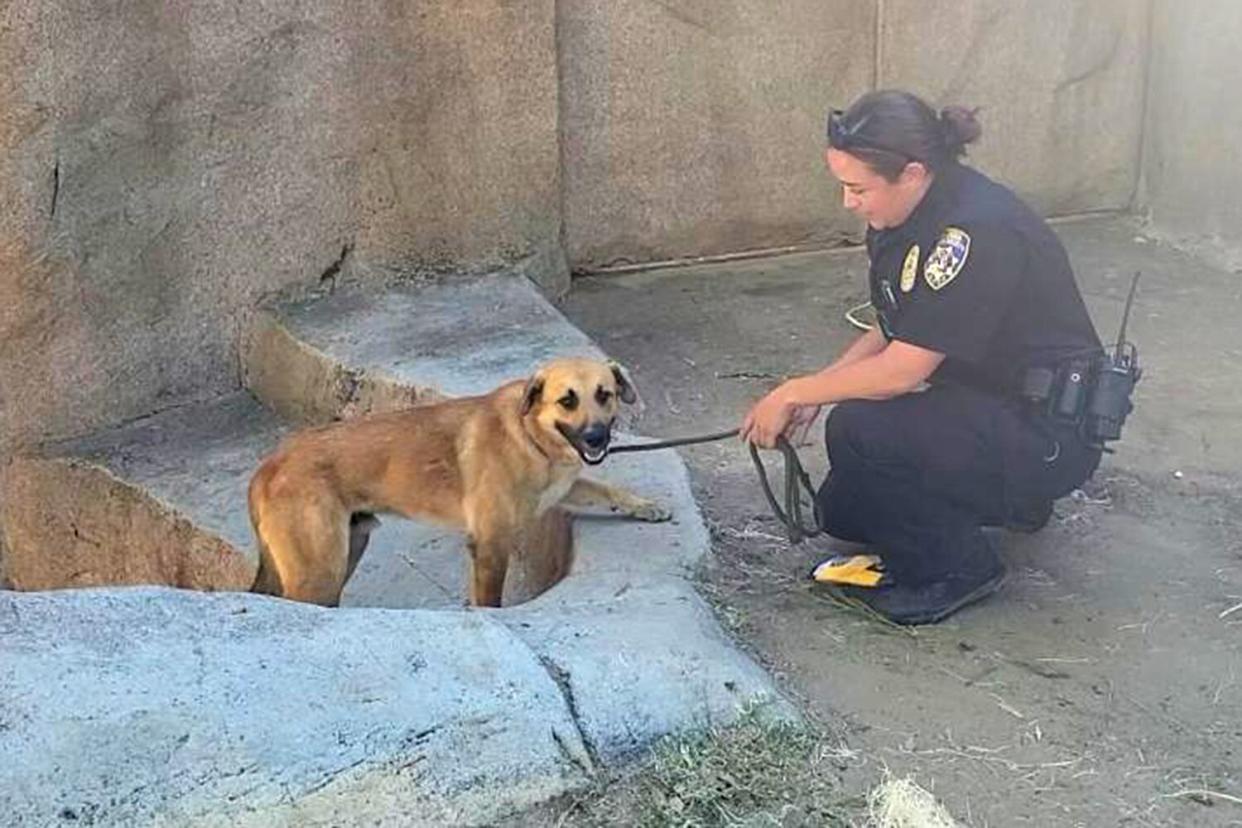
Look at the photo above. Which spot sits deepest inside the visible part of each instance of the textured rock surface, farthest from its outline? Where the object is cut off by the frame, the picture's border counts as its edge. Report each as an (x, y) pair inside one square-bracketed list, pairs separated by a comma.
[(638, 663), (697, 127), (159, 707), (1060, 86), (1192, 177), (160, 501), (162, 166), (71, 523)]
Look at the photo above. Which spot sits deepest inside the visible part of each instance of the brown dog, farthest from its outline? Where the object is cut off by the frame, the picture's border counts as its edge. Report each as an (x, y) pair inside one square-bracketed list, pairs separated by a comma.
[(492, 465)]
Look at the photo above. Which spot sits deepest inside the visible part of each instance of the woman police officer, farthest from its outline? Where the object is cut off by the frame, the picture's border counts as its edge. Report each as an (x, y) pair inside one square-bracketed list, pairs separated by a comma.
[(972, 290)]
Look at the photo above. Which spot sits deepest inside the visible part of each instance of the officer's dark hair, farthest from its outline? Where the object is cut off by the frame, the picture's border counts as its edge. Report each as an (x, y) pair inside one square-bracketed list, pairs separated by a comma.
[(889, 128)]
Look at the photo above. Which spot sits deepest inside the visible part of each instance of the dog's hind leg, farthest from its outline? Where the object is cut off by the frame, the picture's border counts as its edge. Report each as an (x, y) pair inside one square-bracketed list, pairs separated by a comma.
[(308, 545)]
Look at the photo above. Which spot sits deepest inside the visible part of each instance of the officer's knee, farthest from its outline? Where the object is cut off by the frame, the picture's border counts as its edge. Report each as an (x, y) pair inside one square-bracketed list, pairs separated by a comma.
[(846, 431)]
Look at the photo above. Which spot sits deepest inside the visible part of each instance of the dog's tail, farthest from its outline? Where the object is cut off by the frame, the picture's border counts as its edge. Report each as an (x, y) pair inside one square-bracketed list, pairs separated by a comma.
[(266, 579)]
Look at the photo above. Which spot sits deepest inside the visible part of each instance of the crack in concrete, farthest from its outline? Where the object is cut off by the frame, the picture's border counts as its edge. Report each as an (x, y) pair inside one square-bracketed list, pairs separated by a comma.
[(560, 676), (1097, 67), (55, 188), (328, 278)]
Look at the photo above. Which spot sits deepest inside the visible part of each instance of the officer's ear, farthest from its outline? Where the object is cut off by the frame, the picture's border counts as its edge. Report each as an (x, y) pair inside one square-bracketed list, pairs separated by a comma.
[(914, 174)]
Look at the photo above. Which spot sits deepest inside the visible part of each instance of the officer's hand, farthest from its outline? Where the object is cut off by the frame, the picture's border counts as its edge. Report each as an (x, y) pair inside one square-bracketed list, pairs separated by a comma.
[(767, 420), (800, 423)]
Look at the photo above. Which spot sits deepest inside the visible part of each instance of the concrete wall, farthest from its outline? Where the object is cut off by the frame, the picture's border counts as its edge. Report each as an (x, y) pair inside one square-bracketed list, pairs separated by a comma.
[(166, 163), (1059, 84), (1192, 177), (696, 127)]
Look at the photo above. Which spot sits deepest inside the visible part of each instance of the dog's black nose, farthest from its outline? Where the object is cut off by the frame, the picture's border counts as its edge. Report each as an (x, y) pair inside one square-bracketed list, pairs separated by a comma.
[(596, 436)]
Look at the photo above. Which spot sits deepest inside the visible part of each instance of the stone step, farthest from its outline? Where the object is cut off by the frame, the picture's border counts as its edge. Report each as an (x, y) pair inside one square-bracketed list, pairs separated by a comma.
[(355, 351), (158, 501)]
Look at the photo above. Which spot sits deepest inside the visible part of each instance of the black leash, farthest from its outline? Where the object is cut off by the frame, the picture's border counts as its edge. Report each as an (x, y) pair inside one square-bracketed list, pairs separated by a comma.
[(795, 477), (681, 441)]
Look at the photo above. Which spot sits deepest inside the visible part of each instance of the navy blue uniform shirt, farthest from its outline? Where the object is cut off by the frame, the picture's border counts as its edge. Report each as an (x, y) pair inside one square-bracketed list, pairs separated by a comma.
[(974, 274)]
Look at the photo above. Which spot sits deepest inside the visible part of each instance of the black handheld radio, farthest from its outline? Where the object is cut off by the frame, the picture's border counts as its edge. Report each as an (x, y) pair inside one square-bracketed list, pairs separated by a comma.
[(1090, 390), (1114, 378)]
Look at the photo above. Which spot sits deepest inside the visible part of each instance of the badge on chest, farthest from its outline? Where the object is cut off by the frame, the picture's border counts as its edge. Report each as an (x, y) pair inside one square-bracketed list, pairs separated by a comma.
[(910, 269), (947, 258)]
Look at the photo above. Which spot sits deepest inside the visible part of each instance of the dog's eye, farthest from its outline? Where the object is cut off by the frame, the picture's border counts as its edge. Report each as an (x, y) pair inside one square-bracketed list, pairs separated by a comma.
[(568, 402), (602, 395)]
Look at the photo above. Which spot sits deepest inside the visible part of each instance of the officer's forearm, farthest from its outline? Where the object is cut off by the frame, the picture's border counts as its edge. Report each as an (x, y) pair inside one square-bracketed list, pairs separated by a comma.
[(880, 376), (868, 344)]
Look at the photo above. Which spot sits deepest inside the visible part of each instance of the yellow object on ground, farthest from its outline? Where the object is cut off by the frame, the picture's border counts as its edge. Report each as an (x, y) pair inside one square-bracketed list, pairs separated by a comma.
[(856, 570)]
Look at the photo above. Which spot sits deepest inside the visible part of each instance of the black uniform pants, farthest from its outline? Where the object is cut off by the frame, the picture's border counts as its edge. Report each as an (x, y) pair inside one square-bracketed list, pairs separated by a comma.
[(917, 476)]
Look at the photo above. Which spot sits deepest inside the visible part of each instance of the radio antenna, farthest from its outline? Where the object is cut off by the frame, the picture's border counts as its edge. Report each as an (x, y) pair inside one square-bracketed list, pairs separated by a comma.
[(1125, 315)]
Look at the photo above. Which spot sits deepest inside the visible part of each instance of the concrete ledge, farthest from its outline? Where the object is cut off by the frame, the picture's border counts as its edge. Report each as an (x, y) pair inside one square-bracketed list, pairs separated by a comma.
[(159, 501), (305, 385), (641, 663), (161, 707), (69, 522)]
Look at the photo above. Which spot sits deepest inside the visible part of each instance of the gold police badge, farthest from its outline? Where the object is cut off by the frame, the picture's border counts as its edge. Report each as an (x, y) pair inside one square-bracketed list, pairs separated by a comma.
[(947, 257), (910, 269)]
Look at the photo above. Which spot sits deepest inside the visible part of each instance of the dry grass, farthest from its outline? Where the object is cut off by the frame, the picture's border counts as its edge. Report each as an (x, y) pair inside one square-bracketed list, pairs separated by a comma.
[(755, 773), (902, 803)]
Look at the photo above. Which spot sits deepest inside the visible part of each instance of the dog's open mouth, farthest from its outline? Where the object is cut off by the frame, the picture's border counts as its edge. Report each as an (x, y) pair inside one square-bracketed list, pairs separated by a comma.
[(593, 451)]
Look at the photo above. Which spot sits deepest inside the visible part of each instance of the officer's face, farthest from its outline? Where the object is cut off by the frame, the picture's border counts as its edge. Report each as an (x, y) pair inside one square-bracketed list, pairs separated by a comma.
[(882, 203)]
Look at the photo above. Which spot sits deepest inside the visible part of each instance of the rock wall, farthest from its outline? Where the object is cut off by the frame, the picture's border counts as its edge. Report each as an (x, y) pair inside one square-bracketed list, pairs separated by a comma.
[(1194, 118), (164, 165), (696, 127), (1059, 84)]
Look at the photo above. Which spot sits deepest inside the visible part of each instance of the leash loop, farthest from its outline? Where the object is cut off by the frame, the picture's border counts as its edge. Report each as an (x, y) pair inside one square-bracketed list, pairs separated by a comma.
[(797, 481)]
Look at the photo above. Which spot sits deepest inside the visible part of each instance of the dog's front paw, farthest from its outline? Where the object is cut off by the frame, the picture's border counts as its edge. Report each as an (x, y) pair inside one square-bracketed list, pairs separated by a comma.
[(651, 512)]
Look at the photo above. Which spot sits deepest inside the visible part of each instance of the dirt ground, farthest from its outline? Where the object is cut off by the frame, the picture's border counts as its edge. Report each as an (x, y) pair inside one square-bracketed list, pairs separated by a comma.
[(1103, 685)]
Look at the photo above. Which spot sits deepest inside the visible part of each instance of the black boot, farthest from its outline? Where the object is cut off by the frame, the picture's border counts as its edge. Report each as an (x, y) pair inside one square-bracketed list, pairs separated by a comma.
[(931, 601), (1029, 517)]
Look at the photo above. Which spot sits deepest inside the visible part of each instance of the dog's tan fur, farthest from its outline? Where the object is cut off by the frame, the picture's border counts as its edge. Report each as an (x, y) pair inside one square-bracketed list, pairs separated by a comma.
[(492, 466)]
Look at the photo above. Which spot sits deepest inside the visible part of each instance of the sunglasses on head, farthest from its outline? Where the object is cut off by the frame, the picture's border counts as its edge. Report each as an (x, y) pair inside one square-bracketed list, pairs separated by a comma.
[(846, 137)]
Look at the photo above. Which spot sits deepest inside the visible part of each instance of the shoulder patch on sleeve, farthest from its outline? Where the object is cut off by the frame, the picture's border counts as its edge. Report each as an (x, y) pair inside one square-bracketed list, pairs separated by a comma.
[(947, 257)]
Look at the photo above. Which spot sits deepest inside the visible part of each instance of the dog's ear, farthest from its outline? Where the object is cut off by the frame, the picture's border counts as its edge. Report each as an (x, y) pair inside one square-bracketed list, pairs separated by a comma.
[(532, 393), (625, 385)]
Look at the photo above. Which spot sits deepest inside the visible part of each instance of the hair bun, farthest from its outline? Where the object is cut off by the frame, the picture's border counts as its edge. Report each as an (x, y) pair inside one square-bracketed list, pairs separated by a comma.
[(960, 127)]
